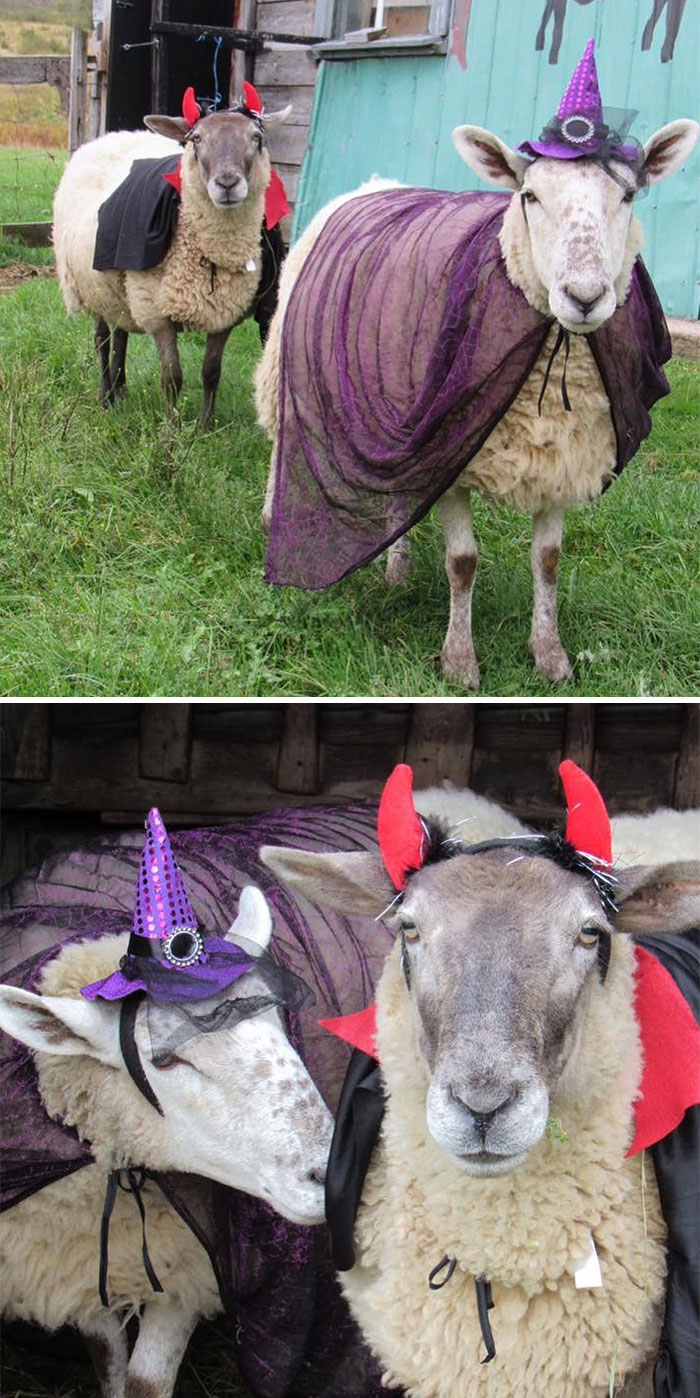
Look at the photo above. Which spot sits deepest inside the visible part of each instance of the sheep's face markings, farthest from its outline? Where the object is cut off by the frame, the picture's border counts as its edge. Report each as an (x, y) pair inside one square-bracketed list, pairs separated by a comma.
[(240, 1107), (578, 221), (231, 156), (500, 980)]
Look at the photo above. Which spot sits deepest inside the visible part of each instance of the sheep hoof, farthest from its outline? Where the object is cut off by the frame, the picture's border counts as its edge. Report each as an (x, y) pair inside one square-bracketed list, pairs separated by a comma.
[(459, 666), (553, 662), (266, 518)]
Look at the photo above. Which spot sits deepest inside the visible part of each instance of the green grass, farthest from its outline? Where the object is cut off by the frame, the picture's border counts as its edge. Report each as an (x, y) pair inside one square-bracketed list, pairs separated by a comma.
[(131, 557), (28, 179)]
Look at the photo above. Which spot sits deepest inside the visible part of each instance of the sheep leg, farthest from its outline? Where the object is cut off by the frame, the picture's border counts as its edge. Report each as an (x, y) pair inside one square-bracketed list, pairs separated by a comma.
[(170, 367), (461, 557), (266, 515), (550, 657), (162, 1340), (211, 373), (106, 1342), (398, 560), (117, 368), (102, 344)]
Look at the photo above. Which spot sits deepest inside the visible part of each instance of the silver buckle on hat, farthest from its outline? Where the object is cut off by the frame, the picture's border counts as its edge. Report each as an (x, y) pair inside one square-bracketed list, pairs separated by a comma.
[(183, 946), (578, 139)]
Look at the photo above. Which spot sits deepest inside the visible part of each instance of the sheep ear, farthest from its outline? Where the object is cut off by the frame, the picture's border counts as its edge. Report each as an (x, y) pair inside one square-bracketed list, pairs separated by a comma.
[(660, 900), (349, 883), (59, 1024), (276, 118), (488, 157), (253, 925), (175, 128), (666, 150)]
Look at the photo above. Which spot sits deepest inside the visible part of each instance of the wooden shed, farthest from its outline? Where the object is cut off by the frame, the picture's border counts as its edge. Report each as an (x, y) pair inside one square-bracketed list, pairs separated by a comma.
[(69, 769), (390, 94), (144, 56)]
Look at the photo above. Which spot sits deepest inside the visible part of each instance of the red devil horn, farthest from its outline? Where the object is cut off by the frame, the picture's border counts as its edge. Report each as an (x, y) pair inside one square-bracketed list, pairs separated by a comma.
[(251, 98), (588, 826), (401, 835), (190, 109)]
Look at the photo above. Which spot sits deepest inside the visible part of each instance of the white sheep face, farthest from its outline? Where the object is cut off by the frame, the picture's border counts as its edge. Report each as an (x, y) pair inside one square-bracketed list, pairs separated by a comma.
[(238, 1104), (576, 217)]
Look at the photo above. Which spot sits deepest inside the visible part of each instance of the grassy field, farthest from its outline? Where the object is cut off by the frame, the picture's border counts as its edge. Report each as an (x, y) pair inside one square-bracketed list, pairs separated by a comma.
[(131, 557), (28, 179)]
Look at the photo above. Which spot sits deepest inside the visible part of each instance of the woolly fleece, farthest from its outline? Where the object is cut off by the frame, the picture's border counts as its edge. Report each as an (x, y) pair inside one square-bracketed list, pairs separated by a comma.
[(529, 461), (179, 289), (49, 1243), (527, 1231)]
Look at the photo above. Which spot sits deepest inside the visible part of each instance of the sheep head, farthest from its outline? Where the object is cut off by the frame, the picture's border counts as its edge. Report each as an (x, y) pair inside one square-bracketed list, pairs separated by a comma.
[(238, 1104), (573, 219), (494, 976), (226, 151)]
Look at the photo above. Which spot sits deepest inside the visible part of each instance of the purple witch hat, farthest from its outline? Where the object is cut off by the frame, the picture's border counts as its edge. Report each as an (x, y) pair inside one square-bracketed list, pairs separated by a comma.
[(167, 956), (581, 127)]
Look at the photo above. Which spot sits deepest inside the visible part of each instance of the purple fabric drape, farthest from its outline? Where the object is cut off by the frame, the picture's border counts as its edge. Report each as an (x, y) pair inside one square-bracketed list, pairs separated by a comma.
[(403, 345), (294, 1337)]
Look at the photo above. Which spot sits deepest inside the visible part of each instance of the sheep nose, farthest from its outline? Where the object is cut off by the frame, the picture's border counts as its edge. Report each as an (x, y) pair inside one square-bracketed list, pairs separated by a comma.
[(230, 183), (317, 1176), (584, 304), (483, 1112)]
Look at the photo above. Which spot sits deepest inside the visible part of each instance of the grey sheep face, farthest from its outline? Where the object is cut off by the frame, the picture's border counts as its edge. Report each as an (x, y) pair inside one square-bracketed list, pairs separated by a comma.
[(230, 152), (501, 953), (227, 149)]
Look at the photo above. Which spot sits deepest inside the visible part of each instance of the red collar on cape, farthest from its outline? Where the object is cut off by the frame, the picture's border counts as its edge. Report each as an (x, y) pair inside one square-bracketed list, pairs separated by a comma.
[(670, 1043), (276, 205)]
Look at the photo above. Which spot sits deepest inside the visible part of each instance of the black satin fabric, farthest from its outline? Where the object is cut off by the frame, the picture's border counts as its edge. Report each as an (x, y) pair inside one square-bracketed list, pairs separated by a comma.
[(359, 1117), (676, 1162), (135, 225)]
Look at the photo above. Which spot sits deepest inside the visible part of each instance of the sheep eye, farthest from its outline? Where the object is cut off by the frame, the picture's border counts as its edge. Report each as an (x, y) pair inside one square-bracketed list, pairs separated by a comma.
[(529, 197), (589, 936), (410, 931), (628, 198)]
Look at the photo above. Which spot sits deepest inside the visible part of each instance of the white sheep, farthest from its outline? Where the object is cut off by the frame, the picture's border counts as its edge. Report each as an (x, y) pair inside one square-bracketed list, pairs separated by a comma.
[(569, 242), (211, 272), (50, 1241), (511, 1062)]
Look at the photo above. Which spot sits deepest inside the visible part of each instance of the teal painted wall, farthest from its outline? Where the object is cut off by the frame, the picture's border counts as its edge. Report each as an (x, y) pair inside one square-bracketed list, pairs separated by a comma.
[(394, 116)]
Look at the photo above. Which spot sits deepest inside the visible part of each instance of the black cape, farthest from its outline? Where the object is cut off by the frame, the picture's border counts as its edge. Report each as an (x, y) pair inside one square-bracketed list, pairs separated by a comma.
[(136, 225)]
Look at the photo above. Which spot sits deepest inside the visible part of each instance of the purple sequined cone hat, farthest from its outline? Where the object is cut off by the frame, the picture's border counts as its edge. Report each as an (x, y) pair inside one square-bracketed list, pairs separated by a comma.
[(581, 127), (168, 957)]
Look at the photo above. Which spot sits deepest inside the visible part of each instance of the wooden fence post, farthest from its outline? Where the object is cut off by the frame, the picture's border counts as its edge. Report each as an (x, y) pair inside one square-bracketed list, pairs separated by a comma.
[(76, 100)]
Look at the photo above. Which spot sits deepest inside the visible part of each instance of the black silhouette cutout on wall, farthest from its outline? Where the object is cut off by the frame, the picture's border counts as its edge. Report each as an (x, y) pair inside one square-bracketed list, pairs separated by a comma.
[(674, 14), (556, 11)]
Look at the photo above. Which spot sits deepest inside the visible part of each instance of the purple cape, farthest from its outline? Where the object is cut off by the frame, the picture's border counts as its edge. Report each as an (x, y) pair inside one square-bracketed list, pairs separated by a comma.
[(403, 345), (294, 1337)]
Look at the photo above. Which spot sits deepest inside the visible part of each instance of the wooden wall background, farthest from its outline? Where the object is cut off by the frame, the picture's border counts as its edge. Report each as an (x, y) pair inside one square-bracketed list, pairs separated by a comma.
[(68, 769)]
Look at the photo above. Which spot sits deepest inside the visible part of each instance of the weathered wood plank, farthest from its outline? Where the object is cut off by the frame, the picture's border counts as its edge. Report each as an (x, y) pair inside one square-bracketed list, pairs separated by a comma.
[(165, 741), (25, 730), (686, 787), (286, 16), (285, 68), (301, 100), (297, 767), (579, 735), (287, 145), (440, 743)]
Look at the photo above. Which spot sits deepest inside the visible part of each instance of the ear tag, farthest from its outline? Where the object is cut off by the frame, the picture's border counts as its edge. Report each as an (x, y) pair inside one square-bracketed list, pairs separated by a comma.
[(250, 265), (589, 1275)]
